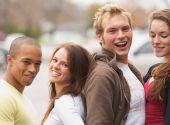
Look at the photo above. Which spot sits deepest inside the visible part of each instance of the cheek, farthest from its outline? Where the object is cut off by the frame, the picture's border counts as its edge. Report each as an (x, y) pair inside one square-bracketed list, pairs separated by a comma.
[(16, 69), (17, 73), (167, 42), (50, 66), (68, 75), (108, 40), (38, 69), (129, 35), (110, 36), (168, 49)]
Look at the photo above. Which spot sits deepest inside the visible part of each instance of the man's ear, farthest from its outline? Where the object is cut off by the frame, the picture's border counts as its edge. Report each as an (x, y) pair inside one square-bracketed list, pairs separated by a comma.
[(9, 59), (100, 38)]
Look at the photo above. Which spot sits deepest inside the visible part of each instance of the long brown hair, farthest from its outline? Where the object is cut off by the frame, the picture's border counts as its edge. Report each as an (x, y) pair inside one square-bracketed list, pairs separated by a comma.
[(80, 65), (160, 75), (162, 72)]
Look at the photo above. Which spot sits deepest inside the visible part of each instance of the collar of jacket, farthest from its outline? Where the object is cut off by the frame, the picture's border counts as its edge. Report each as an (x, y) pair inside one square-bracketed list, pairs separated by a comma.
[(104, 55), (109, 57)]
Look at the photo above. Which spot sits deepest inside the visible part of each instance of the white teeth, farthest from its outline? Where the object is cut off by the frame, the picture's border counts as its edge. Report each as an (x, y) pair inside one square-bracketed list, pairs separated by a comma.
[(56, 73), (121, 44)]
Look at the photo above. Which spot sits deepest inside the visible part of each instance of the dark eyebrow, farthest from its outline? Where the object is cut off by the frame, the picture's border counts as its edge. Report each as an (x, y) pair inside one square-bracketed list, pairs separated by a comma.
[(28, 59), (151, 32), (65, 61), (164, 32), (126, 26)]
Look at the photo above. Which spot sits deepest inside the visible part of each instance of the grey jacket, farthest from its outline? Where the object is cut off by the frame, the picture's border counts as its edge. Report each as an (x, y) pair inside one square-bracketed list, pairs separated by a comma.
[(107, 92)]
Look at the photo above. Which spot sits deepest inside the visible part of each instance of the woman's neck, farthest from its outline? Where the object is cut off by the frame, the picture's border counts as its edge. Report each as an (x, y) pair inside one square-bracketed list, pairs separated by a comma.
[(59, 89)]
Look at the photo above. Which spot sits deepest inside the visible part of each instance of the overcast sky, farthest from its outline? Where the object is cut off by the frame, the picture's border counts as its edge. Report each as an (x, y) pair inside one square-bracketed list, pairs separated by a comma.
[(146, 4)]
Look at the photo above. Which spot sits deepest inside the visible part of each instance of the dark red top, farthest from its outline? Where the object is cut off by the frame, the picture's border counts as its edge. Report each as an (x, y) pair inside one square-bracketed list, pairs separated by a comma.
[(154, 111)]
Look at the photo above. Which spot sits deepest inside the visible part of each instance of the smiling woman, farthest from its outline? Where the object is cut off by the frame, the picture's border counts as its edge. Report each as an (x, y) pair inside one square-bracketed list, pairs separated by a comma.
[(68, 69), (157, 87)]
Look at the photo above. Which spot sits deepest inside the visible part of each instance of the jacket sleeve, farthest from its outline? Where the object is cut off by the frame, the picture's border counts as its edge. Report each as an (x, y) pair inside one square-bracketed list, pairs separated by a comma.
[(148, 74), (167, 109), (99, 99)]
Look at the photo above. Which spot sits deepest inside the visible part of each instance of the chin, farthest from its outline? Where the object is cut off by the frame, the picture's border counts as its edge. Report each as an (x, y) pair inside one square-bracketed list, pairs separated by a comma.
[(28, 83), (159, 55), (53, 80)]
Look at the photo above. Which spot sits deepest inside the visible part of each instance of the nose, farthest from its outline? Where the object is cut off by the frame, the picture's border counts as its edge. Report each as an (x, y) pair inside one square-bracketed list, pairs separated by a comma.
[(33, 68), (56, 65), (120, 34), (156, 40)]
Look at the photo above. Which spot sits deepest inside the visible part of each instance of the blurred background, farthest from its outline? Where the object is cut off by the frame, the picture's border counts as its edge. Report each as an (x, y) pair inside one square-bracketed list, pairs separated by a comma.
[(53, 22)]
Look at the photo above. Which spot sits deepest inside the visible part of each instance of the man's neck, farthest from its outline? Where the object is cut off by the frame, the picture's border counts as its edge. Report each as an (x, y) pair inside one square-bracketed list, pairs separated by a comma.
[(122, 59), (13, 82)]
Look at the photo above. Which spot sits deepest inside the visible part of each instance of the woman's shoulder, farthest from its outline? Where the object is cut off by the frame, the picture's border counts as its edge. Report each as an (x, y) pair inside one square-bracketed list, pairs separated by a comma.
[(148, 74), (68, 99)]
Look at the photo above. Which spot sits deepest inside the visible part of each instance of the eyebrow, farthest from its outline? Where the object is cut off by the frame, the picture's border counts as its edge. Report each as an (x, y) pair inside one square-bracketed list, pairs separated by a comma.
[(66, 61), (28, 59)]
